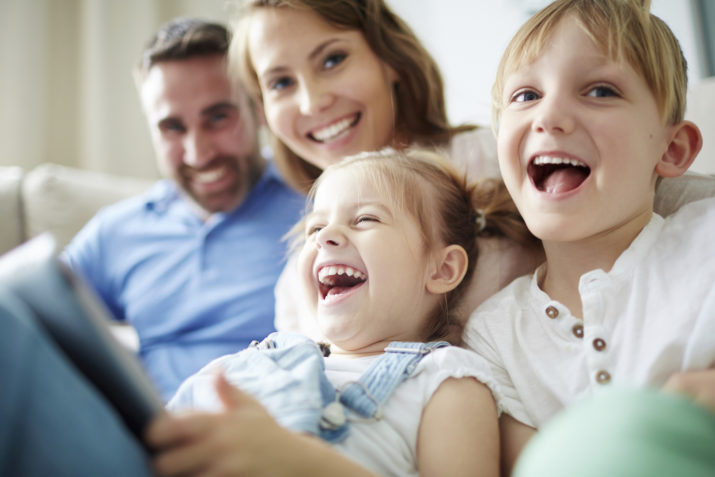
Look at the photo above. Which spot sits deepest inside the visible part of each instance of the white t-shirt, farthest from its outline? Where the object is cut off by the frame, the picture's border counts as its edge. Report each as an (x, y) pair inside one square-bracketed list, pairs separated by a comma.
[(652, 315), (389, 446)]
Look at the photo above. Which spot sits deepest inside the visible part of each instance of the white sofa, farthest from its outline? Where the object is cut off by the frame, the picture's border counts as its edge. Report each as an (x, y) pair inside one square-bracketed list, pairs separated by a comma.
[(56, 199)]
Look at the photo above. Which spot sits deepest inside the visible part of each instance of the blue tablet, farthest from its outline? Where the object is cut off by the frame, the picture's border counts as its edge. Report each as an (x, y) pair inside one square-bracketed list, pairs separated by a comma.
[(77, 320)]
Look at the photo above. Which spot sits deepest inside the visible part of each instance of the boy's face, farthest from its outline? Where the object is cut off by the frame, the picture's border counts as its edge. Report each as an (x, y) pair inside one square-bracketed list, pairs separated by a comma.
[(363, 266), (579, 140)]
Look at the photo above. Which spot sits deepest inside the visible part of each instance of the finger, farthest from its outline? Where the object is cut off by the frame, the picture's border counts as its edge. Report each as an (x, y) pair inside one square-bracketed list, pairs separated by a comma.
[(189, 458), (170, 430), (231, 396)]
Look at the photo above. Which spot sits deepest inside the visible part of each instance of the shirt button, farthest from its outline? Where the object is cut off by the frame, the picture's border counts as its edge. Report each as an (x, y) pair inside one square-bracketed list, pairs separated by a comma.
[(599, 344), (577, 331), (552, 312), (603, 377)]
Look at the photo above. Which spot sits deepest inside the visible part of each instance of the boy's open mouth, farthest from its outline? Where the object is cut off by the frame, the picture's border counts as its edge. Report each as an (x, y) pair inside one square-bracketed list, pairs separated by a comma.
[(557, 174), (336, 279)]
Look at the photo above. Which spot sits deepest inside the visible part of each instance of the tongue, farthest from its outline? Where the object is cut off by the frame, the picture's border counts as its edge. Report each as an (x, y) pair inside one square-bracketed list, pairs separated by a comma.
[(337, 290), (565, 179)]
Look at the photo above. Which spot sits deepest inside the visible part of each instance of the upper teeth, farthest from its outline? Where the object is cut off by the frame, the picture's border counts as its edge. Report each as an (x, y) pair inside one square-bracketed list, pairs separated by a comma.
[(333, 130), (339, 270), (209, 176), (542, 160)]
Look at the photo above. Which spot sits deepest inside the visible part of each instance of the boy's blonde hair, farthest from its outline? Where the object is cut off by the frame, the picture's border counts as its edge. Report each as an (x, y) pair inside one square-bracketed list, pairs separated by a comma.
[(624, 30), (421, 116), (447, 209)]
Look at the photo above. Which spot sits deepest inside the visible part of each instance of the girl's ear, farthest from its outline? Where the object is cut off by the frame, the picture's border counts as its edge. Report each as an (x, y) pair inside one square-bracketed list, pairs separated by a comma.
[(684, 145), (450, 267)]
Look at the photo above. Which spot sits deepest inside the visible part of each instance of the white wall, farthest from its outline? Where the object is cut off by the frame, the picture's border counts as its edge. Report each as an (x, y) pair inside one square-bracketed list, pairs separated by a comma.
[(67, 96), (467, 38)]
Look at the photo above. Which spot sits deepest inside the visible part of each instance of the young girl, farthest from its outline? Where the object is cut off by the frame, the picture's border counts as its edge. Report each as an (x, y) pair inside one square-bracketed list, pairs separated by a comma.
[(388, 243)]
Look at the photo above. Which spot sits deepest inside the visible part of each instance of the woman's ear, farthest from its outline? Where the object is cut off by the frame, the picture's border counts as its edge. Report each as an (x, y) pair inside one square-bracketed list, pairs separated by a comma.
[(450, 267), (685, 143)]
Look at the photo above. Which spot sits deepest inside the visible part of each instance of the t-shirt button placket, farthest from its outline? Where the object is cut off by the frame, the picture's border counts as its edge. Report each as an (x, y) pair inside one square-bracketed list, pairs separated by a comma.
[(599, 344), (603, 377), (552, 312)]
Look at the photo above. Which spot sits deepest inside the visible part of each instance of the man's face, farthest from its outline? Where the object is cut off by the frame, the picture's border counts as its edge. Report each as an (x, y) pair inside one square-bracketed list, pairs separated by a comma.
[(203, 131)]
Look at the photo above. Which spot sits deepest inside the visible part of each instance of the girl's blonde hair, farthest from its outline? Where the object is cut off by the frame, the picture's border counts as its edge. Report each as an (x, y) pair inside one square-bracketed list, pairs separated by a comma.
[(421, 117), (624, 30), (447, 209)]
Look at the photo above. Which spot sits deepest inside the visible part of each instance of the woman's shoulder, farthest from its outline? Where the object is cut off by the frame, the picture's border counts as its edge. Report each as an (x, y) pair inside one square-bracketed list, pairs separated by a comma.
[(475, 152)]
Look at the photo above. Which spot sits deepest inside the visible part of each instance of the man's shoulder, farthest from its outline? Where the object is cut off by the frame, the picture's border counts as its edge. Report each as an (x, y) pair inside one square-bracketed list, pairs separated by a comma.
[(161, 192)]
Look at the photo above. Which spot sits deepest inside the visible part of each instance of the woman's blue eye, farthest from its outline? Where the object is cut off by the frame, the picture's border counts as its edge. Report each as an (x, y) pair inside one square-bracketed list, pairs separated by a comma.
[(334, 60), (602, 92), (525, 96)]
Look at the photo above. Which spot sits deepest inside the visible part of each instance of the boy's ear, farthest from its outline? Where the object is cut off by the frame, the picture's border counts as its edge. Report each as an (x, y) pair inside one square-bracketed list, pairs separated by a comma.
[(451, 265), (685, 143)]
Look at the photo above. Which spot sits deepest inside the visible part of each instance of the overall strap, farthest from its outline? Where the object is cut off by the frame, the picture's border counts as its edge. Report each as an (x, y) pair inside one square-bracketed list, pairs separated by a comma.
[(366, 396)]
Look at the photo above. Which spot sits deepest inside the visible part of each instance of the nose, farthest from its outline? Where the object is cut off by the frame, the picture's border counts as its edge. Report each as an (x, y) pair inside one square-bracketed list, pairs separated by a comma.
[(554, 115), (314, 97), (331, 236), (198, 149)]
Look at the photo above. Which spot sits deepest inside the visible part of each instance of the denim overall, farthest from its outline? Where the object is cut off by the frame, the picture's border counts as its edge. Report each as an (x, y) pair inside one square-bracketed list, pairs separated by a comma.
[(286, 373)]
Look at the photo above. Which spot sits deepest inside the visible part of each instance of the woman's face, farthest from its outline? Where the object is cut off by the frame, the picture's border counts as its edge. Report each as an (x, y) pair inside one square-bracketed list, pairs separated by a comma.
[(325, 93)]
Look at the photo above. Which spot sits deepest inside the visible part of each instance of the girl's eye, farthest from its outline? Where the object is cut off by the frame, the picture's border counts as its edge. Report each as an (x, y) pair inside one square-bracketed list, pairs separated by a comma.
[(524, 96), (333, 60), (366, 218), (313, 229), (602, 91), (279, 84)]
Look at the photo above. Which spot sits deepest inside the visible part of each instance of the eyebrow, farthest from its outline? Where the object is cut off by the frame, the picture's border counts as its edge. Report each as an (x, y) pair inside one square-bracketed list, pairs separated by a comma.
[(218, 107), (379, 204), (311, 56)]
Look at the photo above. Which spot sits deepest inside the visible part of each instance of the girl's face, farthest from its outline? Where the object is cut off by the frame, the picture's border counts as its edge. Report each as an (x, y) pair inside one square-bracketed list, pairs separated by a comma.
[(364, 266), (325, 93)]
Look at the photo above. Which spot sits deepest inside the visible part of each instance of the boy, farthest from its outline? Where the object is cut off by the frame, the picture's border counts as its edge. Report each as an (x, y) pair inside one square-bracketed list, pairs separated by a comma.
[(587, 123)]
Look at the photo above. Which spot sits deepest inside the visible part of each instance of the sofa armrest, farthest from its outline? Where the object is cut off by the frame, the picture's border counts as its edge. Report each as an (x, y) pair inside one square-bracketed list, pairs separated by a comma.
[(12, 232), (61, 199)]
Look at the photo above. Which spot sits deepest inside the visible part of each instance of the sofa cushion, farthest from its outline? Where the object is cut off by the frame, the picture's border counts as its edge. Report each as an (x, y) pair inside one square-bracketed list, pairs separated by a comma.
[(12, 231), (60, 199)]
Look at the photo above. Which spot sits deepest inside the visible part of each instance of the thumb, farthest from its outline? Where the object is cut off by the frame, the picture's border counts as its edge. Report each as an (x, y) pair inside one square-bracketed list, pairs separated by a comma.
[(231, 397)]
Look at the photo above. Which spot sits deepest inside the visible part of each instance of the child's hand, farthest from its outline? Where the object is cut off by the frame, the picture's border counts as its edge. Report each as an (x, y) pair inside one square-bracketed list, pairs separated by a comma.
[(241, 440), (698, 385)]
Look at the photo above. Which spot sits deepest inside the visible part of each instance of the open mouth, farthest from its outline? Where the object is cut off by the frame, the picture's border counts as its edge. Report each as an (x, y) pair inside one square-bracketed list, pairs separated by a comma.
[(209, 176), (333, 131), (335, 280), (557, 174)]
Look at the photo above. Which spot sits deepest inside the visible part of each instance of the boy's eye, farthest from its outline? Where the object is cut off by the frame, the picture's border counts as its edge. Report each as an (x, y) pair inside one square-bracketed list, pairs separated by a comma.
[(602, 91), (333, 60), (524, 96), (279, 84)]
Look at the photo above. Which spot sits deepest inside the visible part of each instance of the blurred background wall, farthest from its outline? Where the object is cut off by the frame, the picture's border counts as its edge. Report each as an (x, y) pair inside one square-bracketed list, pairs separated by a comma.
[(67, 93)]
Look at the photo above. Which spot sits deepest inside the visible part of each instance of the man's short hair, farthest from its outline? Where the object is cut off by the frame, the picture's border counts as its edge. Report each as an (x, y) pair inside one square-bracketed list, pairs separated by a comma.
[(183, 38)]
